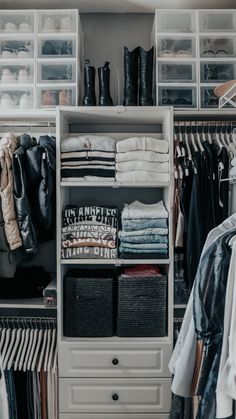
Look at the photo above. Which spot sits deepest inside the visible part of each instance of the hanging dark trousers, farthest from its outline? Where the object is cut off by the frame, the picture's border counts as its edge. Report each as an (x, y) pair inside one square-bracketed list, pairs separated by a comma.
[(104, 85), (145, 77), (131, 77), (89, 98)]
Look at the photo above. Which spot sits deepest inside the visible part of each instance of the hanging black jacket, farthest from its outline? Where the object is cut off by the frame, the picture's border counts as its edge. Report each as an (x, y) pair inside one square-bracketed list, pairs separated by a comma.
[(21, 192), (41, 168)]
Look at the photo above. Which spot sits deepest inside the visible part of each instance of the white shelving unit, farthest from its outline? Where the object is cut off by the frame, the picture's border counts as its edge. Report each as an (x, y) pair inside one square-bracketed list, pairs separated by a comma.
[(208, 38), (87, 375)]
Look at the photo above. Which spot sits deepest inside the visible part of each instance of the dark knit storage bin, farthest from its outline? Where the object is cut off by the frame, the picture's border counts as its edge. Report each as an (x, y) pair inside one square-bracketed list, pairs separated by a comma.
[(88, 303), (142, 309)]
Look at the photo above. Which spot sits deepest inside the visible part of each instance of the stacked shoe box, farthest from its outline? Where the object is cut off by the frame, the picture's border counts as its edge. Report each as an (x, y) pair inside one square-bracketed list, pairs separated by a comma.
[(58, 33), (17, 59)]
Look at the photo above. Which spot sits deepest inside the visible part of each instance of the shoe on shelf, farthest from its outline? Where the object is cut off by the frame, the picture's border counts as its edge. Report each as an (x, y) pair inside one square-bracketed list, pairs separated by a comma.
[(26, 101), (222, 88), (23, 76), (48, 49), (7, 101), (65, 24), (66, 48), (49, 24), (64, 98), (10, 27), (7, 76), (7, 51), (23, 52), (25, 27), (49, 98)]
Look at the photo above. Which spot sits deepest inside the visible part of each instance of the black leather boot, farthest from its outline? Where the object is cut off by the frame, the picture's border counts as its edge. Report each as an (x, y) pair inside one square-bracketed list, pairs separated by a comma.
[(89, 98), (104, 85), (145, 77), (131, 77)]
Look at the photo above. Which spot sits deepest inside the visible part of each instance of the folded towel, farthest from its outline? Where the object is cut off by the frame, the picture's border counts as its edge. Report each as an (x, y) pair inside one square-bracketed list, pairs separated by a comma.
[(142, 143), (139, 210), (138, 176), (143, 156), (88, 142), (132, 165)]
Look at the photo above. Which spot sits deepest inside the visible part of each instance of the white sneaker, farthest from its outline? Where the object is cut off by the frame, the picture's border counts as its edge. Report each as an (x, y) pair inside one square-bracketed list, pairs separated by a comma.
[(7, 101), (23, 52), (49, 24), (7, 76), (65, 24), (7, 51), (10, 27), (24, 27), (23, 76), (26, 101)]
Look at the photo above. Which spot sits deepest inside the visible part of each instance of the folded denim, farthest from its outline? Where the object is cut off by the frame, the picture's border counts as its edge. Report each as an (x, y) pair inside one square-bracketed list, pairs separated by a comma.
[(134, 165), (142, 143), (138, 256), (88, 143), (154, 238), (139, 210), (143, 223), (145, 232), (111, 244), (142, 176), (160, 251), (149, 156), (144, 246), (89, 253), (88, 155)]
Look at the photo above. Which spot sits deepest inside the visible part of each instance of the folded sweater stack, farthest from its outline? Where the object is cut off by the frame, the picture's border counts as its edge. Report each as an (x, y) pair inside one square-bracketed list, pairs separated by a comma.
[(142, 159), (90, 157), (89, 232), (144, 232)]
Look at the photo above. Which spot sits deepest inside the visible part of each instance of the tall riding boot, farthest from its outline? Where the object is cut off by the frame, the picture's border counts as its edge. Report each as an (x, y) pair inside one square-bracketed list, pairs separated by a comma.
[(89, 98), (145, 77), (104, 85), (131, 77)]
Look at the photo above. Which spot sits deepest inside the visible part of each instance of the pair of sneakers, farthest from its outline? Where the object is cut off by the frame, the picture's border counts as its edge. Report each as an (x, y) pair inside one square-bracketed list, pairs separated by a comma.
[(10, 101), (51, 48), (21, 52), (54, 98), (8, 76), (23, 27), (50, 24)]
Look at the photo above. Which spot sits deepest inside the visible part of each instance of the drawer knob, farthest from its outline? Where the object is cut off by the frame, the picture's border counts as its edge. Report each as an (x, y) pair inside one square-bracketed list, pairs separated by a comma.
[(115, 397), (115, 361)]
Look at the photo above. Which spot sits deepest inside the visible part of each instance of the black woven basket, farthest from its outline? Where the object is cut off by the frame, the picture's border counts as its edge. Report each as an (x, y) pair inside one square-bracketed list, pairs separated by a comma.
[(142, 310), (88, 303)]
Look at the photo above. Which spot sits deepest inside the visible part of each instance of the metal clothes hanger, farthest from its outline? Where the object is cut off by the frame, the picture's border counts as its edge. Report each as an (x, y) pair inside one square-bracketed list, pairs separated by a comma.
[(198, 138), (37, 349), (34, 343), (25, 346), (15, 347)]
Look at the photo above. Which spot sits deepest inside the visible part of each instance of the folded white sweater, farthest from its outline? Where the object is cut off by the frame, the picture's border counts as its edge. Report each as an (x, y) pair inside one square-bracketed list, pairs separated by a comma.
[(127, 166), (138, 210), (142, 143), (88, 142), (143, 156), (141, 176)]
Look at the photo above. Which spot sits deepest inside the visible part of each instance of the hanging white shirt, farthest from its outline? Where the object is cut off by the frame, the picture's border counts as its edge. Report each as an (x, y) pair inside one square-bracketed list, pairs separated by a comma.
[(4, 410)]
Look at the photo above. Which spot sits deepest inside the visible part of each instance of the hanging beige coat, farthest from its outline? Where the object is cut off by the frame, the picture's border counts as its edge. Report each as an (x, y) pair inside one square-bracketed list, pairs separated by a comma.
[(8, 145)]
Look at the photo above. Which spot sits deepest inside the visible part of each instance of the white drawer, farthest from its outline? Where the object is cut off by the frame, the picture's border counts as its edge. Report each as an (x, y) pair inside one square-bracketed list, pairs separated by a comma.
[(75, 361), (114, 395), (110, 416)]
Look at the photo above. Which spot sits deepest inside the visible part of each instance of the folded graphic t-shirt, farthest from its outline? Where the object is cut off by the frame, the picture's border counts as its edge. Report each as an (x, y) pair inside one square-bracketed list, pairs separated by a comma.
[(93, 219), (142, 143), (89, 228), (88, 235), (89, 253), (88, 142), (88, 242), (74, 211)]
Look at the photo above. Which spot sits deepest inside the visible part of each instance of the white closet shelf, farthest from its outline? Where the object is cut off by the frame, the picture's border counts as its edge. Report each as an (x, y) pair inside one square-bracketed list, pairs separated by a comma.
[(117, 339), (218, 59), (115, 184), (199, 113), (178, 60), (34, 303), (55, 35), (180, 305), (116, 262)]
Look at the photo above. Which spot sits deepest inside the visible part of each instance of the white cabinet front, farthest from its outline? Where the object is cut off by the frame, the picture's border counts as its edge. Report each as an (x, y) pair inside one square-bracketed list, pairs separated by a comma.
[(120, 395)]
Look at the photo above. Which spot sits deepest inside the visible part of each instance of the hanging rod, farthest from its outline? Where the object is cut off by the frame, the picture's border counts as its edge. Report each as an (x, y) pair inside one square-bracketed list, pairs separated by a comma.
[(200, 123), (27, 319)]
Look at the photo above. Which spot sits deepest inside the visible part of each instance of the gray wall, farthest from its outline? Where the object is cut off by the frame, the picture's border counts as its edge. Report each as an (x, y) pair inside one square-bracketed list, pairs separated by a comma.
[(105, 36)]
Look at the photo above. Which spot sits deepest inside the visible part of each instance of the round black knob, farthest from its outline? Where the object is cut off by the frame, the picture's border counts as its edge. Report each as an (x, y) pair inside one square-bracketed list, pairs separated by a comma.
[(115, 361), (115, 397)]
